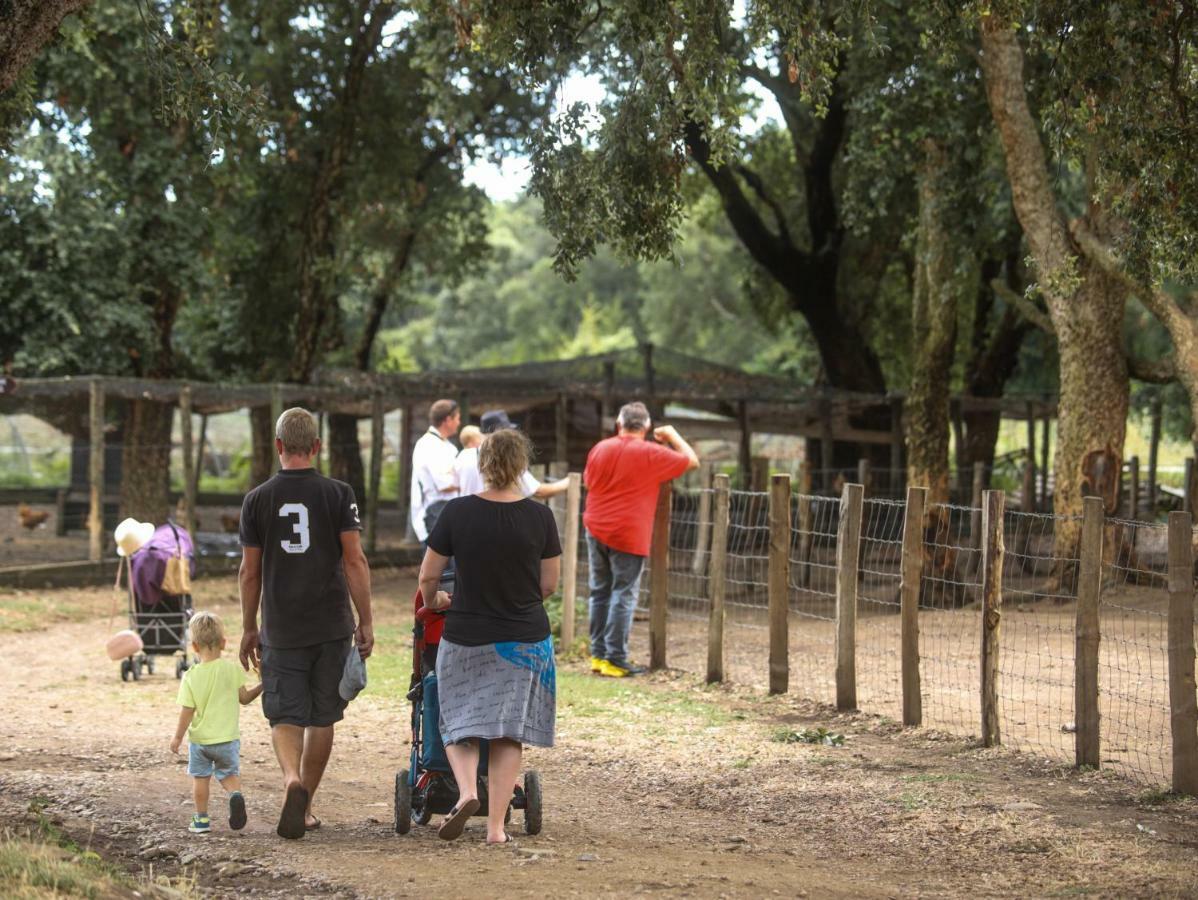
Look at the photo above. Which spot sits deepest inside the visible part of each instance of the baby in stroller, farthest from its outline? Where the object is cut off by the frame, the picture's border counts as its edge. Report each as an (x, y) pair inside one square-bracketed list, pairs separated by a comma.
[(428, 788)]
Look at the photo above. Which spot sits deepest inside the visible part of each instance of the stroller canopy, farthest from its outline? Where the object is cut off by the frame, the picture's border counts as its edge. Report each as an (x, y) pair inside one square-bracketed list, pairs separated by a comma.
[(149, 563)]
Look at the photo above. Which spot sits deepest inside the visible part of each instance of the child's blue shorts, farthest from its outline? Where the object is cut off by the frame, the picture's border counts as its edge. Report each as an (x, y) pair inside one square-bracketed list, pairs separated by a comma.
[(224, 759)]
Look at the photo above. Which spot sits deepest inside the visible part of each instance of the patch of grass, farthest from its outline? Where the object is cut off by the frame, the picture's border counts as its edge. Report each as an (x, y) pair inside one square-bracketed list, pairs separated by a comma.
[(938, 777), (389, 669), (22, 611), (820, 736), (1159, 797), (742, 763), (912, 801), (590, 697)]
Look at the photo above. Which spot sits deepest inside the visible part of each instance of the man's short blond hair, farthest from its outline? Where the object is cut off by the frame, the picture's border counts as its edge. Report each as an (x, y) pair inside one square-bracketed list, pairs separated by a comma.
[(470, 436), (298, 431), (207, 630)]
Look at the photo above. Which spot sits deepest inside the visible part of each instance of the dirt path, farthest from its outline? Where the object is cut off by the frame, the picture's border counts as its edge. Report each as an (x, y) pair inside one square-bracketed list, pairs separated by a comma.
[(656, 787)]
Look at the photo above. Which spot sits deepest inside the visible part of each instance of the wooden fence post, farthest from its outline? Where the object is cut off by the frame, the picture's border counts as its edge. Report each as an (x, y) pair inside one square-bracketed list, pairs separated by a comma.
[(1089, 593), (992, 562), (198, 470), (1154, 444), (912, 577), (848, 554), (659, 578), (1183, 708), (779, 584), (717, 574), (1029, 486), (703, 537), (759, 479), (1133, 487), (1187, 502), (95, 473), (189, 485), (376, 471), (863, 474), (570, 558)]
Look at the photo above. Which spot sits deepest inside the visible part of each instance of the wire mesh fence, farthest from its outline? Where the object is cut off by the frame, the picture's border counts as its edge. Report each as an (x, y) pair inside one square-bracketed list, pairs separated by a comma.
[(879, 657), (813, 596)]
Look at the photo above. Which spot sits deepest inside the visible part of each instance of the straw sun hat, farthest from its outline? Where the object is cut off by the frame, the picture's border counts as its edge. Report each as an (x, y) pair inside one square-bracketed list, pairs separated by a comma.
[(131, 535)]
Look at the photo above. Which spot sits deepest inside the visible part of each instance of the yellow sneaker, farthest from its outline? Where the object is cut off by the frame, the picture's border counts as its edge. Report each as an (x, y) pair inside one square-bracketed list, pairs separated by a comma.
[(597, 665), (610, 671)]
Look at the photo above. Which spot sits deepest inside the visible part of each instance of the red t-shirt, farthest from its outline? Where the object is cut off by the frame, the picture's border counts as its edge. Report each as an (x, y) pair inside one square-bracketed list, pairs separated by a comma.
[(622, 478)]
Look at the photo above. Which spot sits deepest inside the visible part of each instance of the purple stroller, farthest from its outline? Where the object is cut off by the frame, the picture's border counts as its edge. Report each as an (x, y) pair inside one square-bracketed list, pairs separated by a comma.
[(161, 620)]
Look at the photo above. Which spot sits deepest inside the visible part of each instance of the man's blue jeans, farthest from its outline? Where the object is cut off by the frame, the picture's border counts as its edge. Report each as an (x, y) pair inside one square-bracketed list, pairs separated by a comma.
[(615, 586)]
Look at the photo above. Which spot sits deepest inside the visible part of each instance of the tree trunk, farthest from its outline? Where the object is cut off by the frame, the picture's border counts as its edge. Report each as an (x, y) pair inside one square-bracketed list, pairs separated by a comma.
[(1085, 304), (26, 26), (345, 455), (934, 330), (262, 446), (145, 461)]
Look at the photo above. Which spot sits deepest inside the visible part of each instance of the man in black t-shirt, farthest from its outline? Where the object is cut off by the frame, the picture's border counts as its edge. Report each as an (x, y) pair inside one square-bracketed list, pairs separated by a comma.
[(302, 563)]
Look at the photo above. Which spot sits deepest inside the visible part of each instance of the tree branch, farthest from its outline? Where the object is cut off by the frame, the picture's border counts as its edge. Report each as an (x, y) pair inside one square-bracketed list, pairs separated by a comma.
[(26, 27), (1025, 307), (1153, 371), (754, 181)]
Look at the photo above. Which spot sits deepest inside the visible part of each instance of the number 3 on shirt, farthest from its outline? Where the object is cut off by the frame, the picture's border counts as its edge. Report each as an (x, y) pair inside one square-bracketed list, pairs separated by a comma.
[(300, 527)]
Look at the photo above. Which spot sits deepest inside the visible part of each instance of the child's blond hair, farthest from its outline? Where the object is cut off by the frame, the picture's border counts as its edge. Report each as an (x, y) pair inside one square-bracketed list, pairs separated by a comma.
[(470, 436), (207, 630)]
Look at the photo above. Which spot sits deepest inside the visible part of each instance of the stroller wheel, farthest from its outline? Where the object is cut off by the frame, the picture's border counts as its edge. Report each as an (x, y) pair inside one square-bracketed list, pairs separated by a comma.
[(126, 669), (532, 800), (180, 665), (403, 803), (150, 664), (135, 669)]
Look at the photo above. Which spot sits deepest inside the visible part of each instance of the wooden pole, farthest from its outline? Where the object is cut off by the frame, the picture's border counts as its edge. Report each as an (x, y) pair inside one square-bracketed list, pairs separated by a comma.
[(975, 517), (863, 474), (897, 472), (95, 473), (608, 411), (651, 382), (805, 509), (376, 471), (1187, 504), (1029, 472), (955, 417), (189, 485), (909, 589), (320, 435), (561, 428), (405, 460), (703, 537), (276, 410), (464, 408), (1133, 487), (716, 582), (1153, 455), (1085, 679), (759, 479), (570, 559), (1183, 708), (745, 448), (848, 552), (1045, 431), (992, 562), (198, 468), (779, 583), (659, 578), (827, 447)]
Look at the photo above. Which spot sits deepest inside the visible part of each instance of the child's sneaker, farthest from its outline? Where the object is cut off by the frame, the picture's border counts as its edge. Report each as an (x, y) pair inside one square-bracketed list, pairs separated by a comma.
[(200, 824), (237, 815)]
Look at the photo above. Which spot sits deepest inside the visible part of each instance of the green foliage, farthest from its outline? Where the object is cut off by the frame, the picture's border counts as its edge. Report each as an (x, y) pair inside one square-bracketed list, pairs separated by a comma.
[(821, 736)]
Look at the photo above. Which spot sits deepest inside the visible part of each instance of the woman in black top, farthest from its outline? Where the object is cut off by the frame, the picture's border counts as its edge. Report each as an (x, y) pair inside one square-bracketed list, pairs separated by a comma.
[(495, 671)]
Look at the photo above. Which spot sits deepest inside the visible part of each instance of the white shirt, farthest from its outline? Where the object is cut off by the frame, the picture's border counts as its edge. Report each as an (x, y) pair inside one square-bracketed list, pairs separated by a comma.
[(432, 476), (470, 480)]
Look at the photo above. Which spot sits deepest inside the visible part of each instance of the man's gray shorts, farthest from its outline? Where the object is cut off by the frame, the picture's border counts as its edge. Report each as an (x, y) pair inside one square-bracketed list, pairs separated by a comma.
[(299, 684)]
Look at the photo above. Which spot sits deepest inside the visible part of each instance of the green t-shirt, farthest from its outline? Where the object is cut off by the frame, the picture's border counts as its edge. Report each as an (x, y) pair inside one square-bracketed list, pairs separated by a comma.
[(212, 690)]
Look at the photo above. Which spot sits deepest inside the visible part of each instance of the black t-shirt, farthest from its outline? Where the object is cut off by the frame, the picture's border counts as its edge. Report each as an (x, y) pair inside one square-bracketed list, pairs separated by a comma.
[(497, 550), (297, 518)]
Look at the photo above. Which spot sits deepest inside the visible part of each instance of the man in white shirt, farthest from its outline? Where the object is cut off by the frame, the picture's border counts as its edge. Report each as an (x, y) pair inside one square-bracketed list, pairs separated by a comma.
[(433, 480), (470, 480)]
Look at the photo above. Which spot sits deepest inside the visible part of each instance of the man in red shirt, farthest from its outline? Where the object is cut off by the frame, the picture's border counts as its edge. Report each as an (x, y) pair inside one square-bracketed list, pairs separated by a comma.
[(623, 474)]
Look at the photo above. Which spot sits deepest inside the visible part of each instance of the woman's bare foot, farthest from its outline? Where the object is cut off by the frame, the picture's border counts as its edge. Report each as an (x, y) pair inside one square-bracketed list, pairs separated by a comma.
[(455, 822), (499, 837), (311, 822)]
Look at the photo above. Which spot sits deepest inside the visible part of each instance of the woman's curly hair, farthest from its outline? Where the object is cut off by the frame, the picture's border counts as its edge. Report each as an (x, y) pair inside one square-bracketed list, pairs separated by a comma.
[(503, 458)]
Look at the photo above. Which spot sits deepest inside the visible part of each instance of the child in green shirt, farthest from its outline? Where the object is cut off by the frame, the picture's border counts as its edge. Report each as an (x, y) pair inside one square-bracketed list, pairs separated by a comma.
[(209, 696)]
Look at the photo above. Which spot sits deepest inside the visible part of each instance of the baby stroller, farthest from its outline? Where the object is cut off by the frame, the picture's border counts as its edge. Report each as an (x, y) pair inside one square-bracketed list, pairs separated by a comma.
[(428, 787), (161, 620)]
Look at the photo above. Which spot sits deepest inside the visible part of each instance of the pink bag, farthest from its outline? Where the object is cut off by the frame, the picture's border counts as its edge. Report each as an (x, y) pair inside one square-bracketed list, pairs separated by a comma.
[(124, 644)]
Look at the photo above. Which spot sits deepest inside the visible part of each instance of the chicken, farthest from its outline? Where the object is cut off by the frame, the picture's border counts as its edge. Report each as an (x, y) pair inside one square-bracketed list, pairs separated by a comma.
[(231, 524), (31, 518)]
